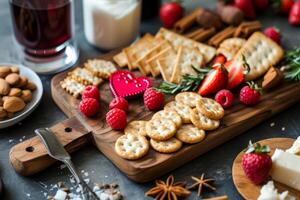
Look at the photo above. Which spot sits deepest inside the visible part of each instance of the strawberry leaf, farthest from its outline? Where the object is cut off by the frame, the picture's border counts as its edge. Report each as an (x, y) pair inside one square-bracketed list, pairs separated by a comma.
[(257, 148)]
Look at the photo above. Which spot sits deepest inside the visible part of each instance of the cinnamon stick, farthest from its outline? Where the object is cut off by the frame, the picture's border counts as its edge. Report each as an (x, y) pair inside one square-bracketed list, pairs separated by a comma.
[(247, 25), (218, 198), (186, 22), (194, 33), (221, 36), (204, 35)]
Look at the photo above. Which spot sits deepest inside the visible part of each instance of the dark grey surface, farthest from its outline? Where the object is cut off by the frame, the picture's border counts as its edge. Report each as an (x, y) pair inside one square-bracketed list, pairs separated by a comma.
[(216, 163)]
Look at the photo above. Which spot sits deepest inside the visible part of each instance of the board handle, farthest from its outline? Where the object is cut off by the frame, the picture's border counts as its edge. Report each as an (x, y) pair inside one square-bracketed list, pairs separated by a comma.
[(30, 157)]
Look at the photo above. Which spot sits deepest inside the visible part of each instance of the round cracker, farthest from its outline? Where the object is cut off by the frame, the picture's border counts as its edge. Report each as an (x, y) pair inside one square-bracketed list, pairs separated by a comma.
[(169, 114), (160, 129), (203, 122), (132, 146), (210, 108), (136, 127), (183, 110), (188, 98), (190, 134), (168, 146)]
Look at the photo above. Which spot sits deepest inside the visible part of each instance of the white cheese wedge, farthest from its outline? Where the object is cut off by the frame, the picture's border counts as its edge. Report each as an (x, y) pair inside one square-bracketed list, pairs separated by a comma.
[(285, 168), (295, 149), (269, 192)]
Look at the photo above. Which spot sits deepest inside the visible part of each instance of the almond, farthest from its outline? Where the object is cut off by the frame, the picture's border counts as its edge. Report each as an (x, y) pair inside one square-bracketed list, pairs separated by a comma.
[(15, 70), (30, 86), (23, 82), (4, 71), (3, 113), (15, 92), (13, 104), (4, 87), (26, 96), (12, 79)]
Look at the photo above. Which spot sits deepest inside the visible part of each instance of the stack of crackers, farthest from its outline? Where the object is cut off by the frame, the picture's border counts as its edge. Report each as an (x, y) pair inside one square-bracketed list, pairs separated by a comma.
[(92, 73), (167, 54), (184, 120)]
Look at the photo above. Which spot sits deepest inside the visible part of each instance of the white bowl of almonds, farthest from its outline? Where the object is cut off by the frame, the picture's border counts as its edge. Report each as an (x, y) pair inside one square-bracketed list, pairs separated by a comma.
[(20, 93)]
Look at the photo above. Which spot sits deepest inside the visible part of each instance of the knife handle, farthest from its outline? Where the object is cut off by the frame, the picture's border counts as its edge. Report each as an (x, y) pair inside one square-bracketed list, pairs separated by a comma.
[(30, 157)]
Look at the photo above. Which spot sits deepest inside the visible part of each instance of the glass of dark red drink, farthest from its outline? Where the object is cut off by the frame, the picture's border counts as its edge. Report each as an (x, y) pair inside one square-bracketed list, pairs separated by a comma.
[(44, 30)]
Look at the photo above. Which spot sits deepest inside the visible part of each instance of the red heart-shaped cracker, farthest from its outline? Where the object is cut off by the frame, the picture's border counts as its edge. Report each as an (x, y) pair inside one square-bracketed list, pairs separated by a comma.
[(125, 84)]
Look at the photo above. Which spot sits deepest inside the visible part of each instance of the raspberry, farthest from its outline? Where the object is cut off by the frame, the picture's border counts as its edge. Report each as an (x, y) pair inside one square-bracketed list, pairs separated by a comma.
[(89, 107), (116, 119), (91, 92), (225, 98), (250, 94), (119, 102), (153, 99), (273, 33)]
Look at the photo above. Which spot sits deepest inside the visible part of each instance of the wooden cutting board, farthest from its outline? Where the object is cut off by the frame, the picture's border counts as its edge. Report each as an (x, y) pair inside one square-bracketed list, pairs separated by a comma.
[(31, 157), (245, 187)]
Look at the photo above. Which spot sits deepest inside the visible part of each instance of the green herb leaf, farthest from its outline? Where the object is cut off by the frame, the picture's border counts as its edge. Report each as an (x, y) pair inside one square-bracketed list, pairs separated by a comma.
[(292, 59), (188, 82)]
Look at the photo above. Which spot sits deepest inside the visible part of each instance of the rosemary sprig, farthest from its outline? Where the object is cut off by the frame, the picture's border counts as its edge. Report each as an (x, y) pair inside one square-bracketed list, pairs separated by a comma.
[(292, 59), (188, 82)]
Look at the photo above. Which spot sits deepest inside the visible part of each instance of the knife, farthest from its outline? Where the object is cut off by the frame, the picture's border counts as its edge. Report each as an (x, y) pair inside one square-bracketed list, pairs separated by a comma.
[(58, 152)]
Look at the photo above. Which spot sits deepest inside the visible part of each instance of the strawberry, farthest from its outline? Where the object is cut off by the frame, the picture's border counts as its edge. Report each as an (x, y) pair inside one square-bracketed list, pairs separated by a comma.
[(214, 81), (282, 6), (225, 98), (153, 99), (273, 33), (91, 92), (235, 74), (170, 13), (89, 107), (219, 59), (294, 17), (250, 94), (261, 4), (119, 102), (247, 7), (257, 163), (116, 119)]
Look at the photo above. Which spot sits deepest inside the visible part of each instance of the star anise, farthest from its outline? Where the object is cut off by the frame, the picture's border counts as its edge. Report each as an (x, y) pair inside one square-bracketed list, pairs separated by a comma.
[(200, 183), (168, 190)]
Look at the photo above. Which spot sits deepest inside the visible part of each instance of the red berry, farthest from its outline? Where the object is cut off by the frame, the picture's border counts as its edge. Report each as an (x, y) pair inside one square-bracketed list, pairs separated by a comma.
[(214, 81), (91, 92), (170, 13), (247, 7), (250, 94), (256, 163), (89, 107), (273, 33), (116, 119), (294, 17), (119, 102), (261, 4), (219, 59), (153, 99), (225, 98)]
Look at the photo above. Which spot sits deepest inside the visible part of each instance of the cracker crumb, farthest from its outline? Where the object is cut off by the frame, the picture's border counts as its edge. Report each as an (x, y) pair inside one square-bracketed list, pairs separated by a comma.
[(283, 128), (272, 124)]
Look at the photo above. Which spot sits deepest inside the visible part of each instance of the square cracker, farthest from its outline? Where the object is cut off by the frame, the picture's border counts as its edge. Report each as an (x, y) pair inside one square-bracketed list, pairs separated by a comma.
[(72, 86), (169, 53), (261, 53), (230, 47), (144, 66), (177, 40), (186, 58), (85, 77), (130, 54), (165, 66), (100, 68)]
